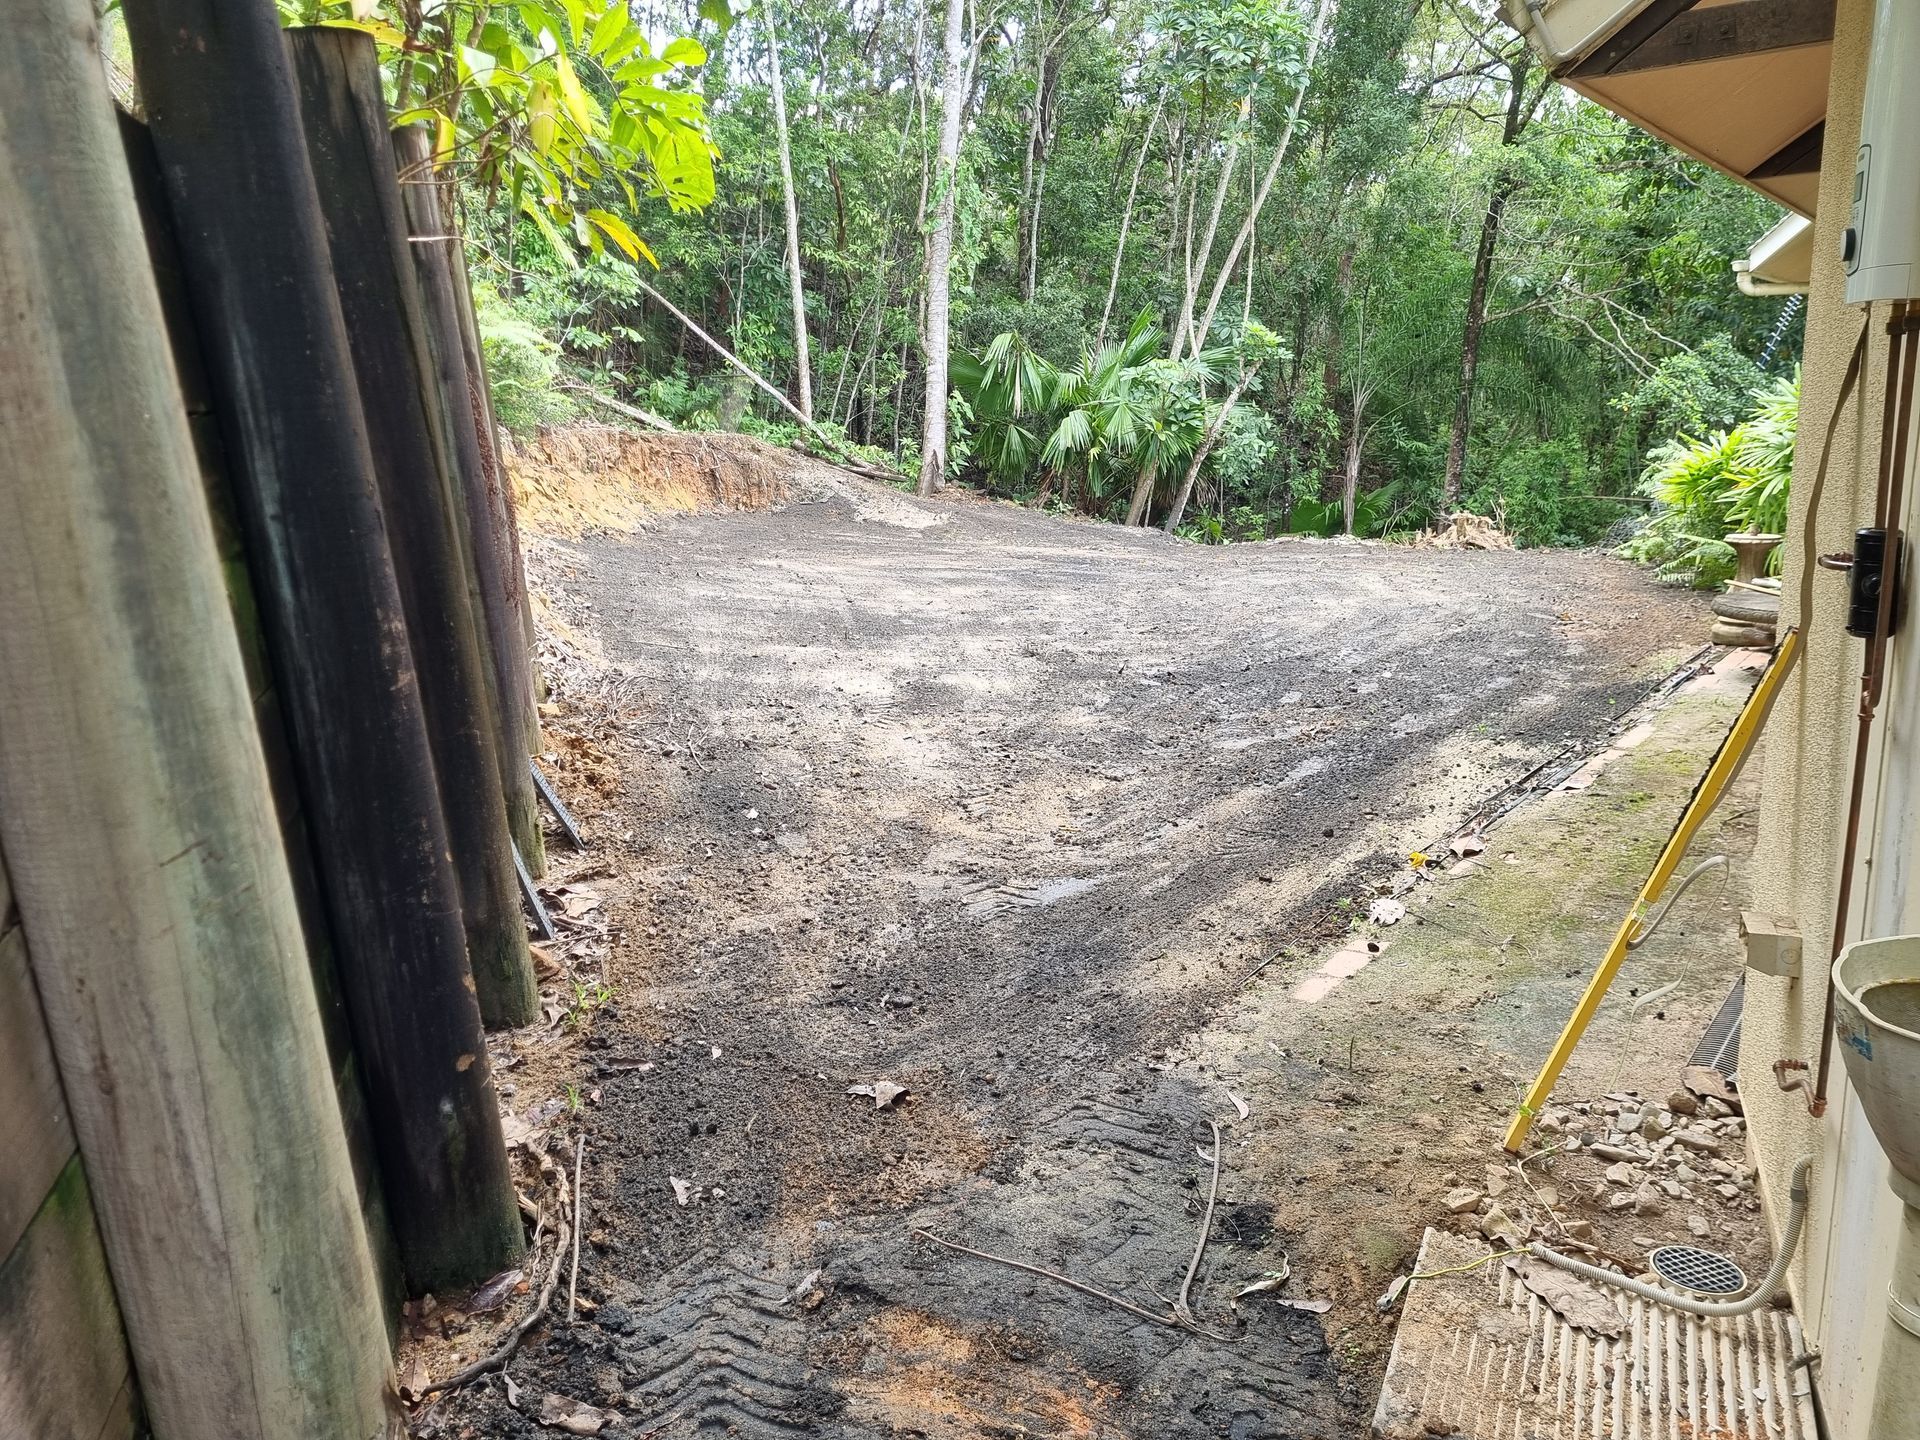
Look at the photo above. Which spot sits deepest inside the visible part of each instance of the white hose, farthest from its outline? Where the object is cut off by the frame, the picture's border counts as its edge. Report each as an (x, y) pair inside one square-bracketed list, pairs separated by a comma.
[(1711, 1309)]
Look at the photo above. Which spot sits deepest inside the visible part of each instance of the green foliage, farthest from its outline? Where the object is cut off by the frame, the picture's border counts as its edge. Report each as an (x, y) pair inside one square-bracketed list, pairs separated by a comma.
[(1731, 482), (1764, 451), (561, 105), (522, 365), (1694, 391), (1543, 495), (1095, 428), (1611, 320)]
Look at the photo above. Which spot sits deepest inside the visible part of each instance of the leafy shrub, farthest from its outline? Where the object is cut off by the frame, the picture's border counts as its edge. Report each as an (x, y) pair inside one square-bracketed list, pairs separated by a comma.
[(1703, 389), (523, 365), (1705, 490), (1543, 495), (692, 405)]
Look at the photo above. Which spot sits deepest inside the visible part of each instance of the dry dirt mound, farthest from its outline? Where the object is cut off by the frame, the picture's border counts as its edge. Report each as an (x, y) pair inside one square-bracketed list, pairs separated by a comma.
[(576, 479)]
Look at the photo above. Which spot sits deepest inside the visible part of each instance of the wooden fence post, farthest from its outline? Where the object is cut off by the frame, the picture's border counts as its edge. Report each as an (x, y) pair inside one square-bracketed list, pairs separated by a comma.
[(436, 250), (137, 824), (506, 522), (226, 126), (337, 77), (203, 424)]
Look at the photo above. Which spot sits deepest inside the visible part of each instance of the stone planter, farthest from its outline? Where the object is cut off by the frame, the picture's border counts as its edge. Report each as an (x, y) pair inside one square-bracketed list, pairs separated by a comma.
[(1743, 616)]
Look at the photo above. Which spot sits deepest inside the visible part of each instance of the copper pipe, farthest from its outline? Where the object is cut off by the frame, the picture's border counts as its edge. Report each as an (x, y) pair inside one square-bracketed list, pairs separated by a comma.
[(1888, 499)]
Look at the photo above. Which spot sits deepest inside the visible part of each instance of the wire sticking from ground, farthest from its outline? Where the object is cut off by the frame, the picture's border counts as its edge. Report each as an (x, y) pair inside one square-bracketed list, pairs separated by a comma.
[(1181, 1318)]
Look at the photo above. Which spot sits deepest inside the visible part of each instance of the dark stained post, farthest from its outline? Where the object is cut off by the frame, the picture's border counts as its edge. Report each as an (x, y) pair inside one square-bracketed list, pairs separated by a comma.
[(337, 76), (226, 128), (506, 522), (509, 667), (203, 424)]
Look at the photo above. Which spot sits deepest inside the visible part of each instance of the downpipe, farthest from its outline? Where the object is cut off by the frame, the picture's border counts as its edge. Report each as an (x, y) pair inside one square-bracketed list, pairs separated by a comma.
[(1799, 1195), (1896, 1395)]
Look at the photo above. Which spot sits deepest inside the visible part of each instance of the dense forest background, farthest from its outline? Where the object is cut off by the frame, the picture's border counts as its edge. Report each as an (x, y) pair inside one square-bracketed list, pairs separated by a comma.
[(1237, 267)]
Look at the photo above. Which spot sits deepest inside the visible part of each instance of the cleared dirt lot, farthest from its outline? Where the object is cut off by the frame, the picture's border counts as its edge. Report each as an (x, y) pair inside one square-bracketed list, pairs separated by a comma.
[(1005, 809)]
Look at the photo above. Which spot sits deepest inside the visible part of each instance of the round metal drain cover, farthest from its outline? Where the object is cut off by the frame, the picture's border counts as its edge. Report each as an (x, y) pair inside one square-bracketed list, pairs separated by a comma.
[(1701, 1271)]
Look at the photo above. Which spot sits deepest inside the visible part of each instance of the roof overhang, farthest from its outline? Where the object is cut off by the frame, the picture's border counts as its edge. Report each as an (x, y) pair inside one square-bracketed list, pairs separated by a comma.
[(1740, 84)]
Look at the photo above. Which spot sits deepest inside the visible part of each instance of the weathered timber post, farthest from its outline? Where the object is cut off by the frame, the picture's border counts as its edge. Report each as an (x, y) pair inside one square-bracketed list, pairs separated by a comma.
[(506, 521), (337, 77), (137, 824), (163, 251), (509, 667), (226, 126)]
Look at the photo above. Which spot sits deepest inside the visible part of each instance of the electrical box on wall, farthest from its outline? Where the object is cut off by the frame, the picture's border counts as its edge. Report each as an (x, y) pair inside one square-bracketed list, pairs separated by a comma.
[(1773, 943), (1881, 248)]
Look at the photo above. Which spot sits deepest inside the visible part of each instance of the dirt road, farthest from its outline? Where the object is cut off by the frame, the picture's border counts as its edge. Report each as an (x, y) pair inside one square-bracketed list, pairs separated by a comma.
[(1004, 809)]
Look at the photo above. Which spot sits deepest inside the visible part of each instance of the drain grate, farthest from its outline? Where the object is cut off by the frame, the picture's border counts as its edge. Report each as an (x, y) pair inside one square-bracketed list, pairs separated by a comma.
[(1701, 1271), (1719, 1048)]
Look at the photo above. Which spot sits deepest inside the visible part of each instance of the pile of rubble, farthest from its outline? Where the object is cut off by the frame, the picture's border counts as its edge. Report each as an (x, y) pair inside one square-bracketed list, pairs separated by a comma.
[(1681, 1156)]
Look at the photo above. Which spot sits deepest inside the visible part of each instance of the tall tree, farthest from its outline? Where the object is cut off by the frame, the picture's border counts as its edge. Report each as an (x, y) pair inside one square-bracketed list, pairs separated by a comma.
[(1526, 87), (1259, 202), (936, 329), (1126, 221), (802, 361)]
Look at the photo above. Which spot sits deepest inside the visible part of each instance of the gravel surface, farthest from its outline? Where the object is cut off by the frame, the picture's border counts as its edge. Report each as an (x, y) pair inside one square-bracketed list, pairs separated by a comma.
[(1002, 809)]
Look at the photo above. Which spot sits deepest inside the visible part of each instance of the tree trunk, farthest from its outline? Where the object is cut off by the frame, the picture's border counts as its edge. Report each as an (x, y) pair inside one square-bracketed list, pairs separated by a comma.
[(1245, 233), (1350, 474), (1520, 111), (1142, 498), (1031, 280), (1197, 266), (1212, 438), (1042, 146), (1126, 223), (1030, 156), (939, 287), (140, 835), (802, 361), (1476, 324)]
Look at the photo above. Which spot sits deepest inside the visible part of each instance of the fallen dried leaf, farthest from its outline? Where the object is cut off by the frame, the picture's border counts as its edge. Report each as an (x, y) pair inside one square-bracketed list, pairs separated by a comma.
[(514, 1130), (545, 966), (1239, 1105), (563, 1413), (1573, 1299), (1464, 845), (1270, 1281), (1386, 911), (882, 1092), (493, 1294), (414, 1382), (682, 1191), (1307, 1307)]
